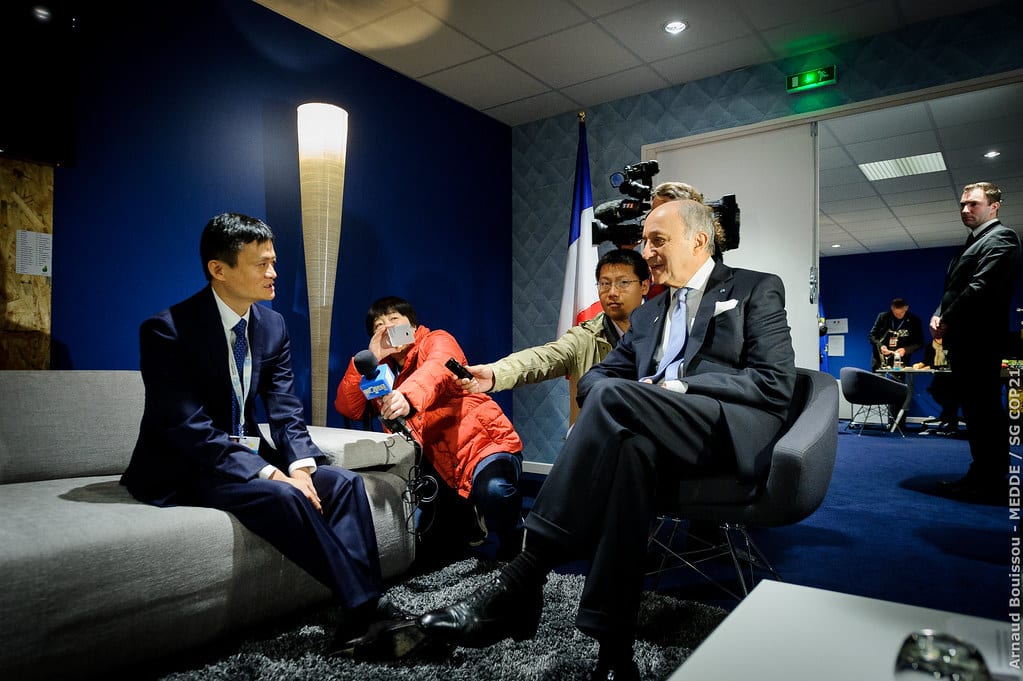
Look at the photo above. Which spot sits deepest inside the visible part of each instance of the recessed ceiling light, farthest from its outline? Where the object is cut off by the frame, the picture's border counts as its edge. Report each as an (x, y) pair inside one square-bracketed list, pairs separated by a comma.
[(992, 154), (675, 27), (836, 245), (903, 167)]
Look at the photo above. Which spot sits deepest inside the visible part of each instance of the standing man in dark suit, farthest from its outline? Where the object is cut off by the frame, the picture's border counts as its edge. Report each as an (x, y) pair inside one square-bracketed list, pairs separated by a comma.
[(973, 322), (717, 403), (204, 361)]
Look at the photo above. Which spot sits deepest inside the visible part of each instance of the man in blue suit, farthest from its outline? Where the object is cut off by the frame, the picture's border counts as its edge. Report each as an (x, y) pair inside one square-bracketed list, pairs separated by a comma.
[(204, 361), (701, 384)]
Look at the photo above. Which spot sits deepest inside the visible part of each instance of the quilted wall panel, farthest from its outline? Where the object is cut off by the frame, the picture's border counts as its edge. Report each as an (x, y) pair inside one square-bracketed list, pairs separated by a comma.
[(920, 56)]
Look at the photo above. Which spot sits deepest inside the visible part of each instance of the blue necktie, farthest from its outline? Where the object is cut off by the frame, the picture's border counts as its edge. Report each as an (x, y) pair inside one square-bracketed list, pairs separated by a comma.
[(667, 368), (241, 348)]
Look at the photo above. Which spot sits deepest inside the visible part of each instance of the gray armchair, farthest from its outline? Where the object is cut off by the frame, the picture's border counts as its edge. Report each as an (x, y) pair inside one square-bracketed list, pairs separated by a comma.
[(870, 393), (794, 487)]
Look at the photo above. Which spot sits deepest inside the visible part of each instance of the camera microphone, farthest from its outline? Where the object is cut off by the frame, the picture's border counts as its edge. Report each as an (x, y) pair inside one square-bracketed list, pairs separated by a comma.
[(378, 381)]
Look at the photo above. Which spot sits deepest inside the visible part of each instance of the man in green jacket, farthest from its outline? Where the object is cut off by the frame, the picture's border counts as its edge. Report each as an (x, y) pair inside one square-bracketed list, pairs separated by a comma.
[(623, 279)]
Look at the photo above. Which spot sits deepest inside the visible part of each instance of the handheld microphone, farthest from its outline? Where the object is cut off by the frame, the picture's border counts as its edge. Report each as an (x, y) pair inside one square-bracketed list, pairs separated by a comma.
[(378, 381)]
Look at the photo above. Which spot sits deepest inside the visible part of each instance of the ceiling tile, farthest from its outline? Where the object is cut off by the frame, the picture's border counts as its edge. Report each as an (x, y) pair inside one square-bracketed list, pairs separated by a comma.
[(413, 42), (843, 175), (765, 15), (935, 222), (838, 208), (977, 106), (498, 24), (625, 84), (525, 110), (991, 133), (485, 83), (937, 195), (713, 60), (833, 158), (880, 149), (919, 10), (816, 32), (641, 28), (572, 56), (871, 125), (597, 8), (334, 18), (876, 216)]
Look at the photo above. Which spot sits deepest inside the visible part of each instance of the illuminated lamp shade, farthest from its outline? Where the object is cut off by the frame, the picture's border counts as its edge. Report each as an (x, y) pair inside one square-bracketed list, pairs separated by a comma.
[(322, 142)]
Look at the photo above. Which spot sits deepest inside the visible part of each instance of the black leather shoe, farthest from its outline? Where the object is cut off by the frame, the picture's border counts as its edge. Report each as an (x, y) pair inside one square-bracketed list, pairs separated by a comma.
[(384, 640), (387, 633), (620, 671), (491, 613)]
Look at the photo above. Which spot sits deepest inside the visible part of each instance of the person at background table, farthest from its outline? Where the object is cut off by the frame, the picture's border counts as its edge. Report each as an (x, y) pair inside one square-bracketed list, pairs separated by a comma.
[(199, 443), (897, 333), (973, 322), (623, 279), (687, 389), (468, 442)]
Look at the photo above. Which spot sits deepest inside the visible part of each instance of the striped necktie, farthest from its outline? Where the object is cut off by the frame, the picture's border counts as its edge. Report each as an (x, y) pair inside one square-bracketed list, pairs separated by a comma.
[(668, 367)]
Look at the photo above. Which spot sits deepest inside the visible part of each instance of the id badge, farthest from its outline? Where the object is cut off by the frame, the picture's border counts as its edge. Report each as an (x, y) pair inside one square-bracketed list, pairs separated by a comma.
[(250, 442), (892, 341)]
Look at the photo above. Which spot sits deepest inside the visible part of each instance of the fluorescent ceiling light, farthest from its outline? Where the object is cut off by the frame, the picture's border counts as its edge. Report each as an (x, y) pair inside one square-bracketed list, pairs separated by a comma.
[(903, 167), (992, 154)]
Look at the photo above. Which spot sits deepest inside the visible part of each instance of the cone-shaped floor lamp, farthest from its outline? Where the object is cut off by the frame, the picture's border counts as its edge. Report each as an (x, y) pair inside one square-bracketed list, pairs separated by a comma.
[(322, 140)]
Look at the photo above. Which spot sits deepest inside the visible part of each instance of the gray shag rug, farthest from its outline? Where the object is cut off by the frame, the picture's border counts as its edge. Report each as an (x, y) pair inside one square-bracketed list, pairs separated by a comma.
[(669, 629)]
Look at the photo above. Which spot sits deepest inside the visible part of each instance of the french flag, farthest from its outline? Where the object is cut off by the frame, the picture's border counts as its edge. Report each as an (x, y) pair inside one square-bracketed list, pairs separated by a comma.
[(579, 299)]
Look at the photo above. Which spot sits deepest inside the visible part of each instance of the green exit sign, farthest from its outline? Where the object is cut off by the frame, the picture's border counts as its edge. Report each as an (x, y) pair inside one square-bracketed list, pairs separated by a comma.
[(807, 80)]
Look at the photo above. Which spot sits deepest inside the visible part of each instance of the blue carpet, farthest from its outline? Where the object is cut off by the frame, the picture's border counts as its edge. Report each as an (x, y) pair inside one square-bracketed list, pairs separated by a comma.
[(883, 533)]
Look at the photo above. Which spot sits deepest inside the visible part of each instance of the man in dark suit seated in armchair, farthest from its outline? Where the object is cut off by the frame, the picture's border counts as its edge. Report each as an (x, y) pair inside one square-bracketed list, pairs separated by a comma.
[(702, 380)]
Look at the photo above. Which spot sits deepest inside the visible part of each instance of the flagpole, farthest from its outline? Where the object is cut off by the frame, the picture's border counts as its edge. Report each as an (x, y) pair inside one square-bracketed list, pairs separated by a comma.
[(579, 298)]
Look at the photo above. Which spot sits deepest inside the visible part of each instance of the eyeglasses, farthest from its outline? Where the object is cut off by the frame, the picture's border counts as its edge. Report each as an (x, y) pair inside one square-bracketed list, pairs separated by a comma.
[(619, 285)]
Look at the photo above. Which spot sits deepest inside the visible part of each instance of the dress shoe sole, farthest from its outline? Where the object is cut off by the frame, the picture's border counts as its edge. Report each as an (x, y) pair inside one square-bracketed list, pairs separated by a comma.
[(385, 640)]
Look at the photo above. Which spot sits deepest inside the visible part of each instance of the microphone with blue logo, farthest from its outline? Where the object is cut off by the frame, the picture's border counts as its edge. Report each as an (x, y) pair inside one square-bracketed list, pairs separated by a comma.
[(378, 381)]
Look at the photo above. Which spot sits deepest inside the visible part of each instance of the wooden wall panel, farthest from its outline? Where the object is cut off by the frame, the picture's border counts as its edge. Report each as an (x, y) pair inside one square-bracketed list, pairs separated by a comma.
[(26, 203)]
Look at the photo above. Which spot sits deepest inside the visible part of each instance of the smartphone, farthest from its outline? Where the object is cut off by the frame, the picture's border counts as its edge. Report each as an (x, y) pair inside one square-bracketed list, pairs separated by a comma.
[(457, 369), (400, 335)]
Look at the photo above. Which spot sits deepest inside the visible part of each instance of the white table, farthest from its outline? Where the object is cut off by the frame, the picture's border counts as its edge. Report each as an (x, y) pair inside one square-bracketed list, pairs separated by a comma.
[(786, 632)]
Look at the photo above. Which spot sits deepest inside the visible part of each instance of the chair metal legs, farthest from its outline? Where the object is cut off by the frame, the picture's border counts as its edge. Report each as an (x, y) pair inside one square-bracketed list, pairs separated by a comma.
[(864, 411), (735, 542)]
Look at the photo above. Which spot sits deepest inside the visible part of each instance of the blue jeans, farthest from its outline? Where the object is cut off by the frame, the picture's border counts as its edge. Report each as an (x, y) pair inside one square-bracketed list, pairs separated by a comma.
[(496, 494)]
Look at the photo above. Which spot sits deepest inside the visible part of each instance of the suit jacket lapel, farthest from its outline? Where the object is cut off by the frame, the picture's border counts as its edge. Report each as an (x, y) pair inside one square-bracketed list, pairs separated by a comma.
[(718, 289), (962, 251), (647, 332), (257, 343), (215, 340)]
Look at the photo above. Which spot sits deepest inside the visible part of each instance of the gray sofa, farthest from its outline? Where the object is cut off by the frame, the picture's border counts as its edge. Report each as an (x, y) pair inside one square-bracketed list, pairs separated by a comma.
[(92, 580)]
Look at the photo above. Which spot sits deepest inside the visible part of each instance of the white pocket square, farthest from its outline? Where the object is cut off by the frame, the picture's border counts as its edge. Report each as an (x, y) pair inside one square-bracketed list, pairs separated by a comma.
[(724, 306)]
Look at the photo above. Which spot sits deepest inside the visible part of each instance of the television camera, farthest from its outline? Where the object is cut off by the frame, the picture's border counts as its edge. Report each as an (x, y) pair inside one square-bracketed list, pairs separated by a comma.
[(620, 221)]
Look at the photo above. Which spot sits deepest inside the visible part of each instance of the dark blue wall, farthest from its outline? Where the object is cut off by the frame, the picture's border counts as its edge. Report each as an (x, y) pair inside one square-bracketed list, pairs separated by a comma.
[(191, 112), (859, 287)]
